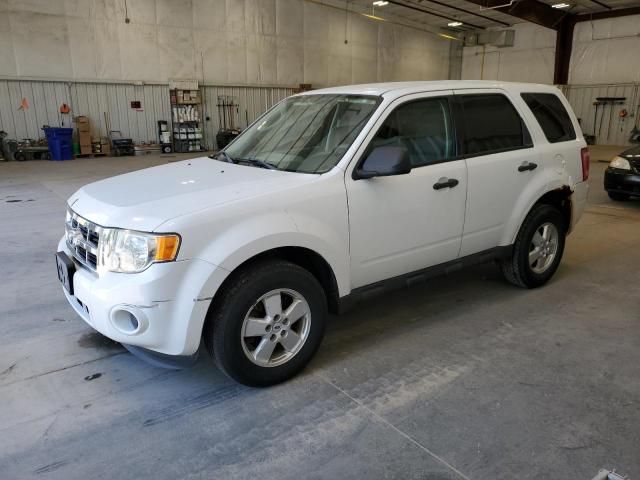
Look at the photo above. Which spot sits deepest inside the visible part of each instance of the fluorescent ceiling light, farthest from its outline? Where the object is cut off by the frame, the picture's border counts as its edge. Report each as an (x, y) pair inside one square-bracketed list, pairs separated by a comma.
[(560, 5), (380, 3), (449, 37), (373, 17), (454, 24)]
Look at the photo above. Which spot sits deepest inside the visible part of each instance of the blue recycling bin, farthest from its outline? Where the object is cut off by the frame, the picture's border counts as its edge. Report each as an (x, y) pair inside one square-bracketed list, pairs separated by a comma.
[(59, 141)]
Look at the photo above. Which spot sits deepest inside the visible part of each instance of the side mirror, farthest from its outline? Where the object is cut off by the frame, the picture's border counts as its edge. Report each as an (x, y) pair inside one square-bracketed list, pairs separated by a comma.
[(384, 162)]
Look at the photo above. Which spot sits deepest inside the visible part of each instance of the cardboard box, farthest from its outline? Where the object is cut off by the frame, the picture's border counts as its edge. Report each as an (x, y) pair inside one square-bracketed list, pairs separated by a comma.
[(86, 149), (83, 125)]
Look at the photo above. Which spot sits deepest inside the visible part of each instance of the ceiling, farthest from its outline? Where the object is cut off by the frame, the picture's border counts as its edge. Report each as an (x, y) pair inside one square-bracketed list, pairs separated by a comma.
[(432, 13)]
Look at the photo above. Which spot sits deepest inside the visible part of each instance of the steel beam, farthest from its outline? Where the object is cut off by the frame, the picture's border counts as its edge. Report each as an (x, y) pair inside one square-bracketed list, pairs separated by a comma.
[(620, 12), (430, 12), (468, 12), (564, 45), (529, 10)]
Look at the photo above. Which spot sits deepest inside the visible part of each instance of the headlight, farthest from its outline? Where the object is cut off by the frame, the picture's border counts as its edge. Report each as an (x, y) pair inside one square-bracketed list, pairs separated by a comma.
[(620, 163), (128, 251)]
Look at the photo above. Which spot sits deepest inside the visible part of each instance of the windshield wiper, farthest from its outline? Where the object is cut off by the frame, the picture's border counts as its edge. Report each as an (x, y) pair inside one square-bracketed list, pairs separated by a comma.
[(257, 163), (225, 157)]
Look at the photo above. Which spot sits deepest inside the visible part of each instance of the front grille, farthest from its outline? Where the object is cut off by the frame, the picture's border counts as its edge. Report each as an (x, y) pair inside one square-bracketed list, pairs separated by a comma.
[(82, 238)]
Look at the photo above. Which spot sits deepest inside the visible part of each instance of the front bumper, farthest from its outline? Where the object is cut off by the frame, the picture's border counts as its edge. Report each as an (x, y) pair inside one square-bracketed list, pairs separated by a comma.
[(621, 181), (168, 300)]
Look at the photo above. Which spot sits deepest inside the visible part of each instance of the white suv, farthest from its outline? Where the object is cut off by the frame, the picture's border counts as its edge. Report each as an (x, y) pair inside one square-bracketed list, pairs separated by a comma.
[(328, 197)]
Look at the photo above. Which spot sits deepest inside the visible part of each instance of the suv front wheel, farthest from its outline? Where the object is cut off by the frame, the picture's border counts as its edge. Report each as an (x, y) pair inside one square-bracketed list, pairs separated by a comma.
[(538, 248), (267, 323)]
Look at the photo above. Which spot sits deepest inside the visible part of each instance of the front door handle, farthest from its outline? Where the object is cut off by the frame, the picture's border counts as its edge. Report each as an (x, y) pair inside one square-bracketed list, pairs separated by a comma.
[(527, 166), (445, 183)]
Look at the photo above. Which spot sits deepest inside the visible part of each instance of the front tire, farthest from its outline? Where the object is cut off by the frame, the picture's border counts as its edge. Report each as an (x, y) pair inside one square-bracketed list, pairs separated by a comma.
[(538, 248), (267, 323)]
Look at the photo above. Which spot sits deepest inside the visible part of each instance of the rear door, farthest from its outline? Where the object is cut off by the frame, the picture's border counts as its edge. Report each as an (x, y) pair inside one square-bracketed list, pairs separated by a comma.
[(501, 164)]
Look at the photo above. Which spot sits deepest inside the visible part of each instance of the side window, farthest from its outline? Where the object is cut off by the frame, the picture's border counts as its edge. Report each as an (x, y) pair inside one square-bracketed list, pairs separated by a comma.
[(491, 124), (551, 115), (423, 127)]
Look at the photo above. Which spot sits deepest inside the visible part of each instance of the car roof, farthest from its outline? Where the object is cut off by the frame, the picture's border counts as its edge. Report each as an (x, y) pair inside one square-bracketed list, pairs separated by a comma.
[(397, 89)]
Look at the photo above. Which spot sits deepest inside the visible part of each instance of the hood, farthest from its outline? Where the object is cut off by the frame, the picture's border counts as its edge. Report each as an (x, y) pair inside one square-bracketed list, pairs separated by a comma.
[(144, 199), (631, 154)]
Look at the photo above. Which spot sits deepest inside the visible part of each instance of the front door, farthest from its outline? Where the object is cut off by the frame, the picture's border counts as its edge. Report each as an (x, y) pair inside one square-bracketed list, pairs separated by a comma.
[(404, 223)]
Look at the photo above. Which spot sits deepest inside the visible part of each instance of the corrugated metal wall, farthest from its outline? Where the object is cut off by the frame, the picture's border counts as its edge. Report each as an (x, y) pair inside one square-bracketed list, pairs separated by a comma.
[(252, 102), (610, 128), (96, 99)]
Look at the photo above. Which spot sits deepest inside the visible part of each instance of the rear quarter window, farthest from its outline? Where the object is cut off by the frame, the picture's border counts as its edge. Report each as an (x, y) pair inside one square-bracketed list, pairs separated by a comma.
[(551, 115)]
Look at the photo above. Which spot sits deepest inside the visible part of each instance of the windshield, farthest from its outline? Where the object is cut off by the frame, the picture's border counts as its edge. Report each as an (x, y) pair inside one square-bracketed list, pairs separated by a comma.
[(307, 134)]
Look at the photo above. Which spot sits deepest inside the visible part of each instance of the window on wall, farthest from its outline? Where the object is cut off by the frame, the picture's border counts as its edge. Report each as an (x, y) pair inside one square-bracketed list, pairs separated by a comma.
[(423, 127), (491, 124), (551, 115)]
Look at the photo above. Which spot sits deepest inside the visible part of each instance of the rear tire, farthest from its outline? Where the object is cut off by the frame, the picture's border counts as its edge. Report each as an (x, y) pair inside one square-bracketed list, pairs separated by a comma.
[(535, 258), (267, 323), (618, 197)]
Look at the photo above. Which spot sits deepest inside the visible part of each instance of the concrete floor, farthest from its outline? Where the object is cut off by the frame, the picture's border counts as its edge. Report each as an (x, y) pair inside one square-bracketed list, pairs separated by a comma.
[(464, 377)]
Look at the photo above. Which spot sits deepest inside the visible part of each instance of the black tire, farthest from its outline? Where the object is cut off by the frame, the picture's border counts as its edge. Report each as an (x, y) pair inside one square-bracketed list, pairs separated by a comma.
[(20, 157), (618, 197), (223, 327), (516, 269)]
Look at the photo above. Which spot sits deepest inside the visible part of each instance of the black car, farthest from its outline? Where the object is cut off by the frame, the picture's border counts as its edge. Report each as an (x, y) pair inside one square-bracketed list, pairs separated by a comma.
[(622, 177)]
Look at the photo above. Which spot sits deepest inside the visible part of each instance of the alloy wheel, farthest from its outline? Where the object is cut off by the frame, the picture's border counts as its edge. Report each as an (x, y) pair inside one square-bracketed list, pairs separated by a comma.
[(543, 248), (276, 327)]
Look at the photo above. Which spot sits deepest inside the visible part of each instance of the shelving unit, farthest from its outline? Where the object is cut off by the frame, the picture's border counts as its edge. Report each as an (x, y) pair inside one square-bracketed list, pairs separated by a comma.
[(186, 116)]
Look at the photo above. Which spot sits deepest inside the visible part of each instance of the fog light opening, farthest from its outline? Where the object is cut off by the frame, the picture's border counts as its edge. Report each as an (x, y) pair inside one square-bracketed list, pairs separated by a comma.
[(127, 322)]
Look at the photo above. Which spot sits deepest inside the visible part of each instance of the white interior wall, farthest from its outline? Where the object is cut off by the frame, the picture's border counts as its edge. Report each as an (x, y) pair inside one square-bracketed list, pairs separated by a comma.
[(530, 59), (606, 51), (239, 42)]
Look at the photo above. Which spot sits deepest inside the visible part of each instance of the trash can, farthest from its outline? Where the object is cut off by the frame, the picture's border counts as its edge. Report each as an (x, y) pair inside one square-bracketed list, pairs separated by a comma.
[(59, 140)]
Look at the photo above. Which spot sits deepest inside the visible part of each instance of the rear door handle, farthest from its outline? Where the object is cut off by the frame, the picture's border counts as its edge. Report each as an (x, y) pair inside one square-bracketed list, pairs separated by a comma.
[(527, 166), (445, 182)]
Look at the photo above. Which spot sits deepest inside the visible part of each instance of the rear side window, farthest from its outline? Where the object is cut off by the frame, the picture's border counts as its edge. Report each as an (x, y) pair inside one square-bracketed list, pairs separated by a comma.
[(491, 124), (551, 115)]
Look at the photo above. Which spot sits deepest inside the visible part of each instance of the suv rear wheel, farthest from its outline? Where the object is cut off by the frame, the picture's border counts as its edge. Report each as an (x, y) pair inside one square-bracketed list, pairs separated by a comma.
[(538, 248), (267, 324)]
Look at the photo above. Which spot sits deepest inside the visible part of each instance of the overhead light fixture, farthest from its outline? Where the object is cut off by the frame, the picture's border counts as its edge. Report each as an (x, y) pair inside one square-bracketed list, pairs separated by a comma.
[(560, 5), (373, 17), (380, 3), (454, 24), (449, 37)]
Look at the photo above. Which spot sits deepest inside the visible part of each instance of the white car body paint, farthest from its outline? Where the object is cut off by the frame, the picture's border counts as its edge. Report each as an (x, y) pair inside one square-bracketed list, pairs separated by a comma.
[(366, 230)]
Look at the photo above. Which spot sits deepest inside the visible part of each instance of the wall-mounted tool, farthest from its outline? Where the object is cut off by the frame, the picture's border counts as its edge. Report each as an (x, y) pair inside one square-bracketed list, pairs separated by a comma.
[(611, 102)]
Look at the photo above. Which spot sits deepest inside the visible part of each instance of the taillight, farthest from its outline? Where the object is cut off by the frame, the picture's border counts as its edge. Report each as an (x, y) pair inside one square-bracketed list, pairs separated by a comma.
[(584, 155)]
